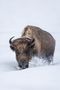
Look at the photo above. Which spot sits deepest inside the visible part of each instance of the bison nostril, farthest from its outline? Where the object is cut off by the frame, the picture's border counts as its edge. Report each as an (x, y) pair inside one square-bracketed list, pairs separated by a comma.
[(23, 65), (20, 66), (27, 66)]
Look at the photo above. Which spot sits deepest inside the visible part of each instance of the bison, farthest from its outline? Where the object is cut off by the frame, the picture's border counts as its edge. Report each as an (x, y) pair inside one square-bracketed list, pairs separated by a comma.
[(33, 42)]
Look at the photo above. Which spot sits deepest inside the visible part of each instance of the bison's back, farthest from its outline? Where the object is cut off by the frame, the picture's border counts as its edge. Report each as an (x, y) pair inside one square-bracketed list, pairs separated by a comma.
[(44, 41)]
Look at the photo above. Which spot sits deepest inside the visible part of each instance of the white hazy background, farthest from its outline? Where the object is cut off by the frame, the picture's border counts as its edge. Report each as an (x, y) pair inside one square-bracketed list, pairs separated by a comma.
[(14, 16)]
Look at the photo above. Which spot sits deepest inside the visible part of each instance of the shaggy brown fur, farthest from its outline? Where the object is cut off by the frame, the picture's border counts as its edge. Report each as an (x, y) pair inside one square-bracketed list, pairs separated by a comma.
[(44, 42), (33, 42)]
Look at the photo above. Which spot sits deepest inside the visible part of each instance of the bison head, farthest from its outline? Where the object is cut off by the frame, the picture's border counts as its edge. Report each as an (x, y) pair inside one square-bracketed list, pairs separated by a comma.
[(23, 49)]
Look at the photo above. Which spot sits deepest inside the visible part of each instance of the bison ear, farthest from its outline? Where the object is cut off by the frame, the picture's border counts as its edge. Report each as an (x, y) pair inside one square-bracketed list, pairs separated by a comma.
[(32, 43), (12, 47)]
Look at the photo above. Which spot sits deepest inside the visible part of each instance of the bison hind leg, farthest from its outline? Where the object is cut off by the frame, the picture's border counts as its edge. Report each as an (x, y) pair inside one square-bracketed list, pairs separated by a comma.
[(49, 59)]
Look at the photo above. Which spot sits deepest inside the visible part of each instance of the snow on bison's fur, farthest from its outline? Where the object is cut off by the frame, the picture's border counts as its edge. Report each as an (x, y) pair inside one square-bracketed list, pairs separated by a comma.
[(33, 42)]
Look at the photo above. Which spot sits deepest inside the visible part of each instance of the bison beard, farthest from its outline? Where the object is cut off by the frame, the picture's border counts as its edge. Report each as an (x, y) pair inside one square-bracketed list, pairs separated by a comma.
[(33, 42)]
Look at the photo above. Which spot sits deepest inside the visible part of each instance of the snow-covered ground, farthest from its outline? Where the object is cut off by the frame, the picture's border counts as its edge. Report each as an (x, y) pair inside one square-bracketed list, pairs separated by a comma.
[(14, 16)]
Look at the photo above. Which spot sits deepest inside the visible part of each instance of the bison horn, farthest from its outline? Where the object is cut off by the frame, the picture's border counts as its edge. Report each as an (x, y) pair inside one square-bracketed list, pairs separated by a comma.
[(10, 41)]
